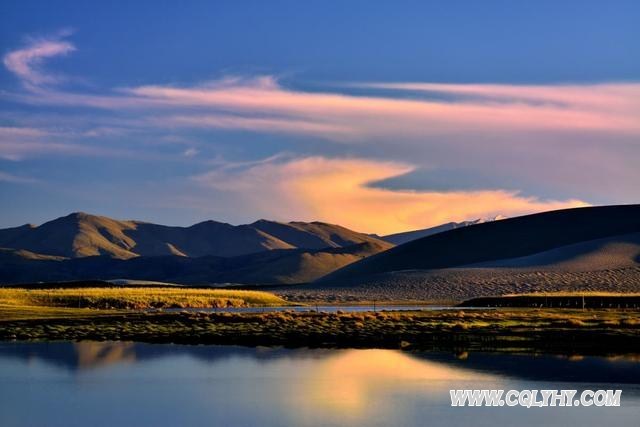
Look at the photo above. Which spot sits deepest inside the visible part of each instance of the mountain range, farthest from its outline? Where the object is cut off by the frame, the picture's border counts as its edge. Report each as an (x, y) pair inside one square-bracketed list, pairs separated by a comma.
[(80, 235), (84, 246), (588, 248)]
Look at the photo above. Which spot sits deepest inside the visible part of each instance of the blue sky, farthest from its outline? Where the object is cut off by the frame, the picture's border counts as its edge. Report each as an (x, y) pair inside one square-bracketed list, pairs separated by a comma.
[(421, 112)]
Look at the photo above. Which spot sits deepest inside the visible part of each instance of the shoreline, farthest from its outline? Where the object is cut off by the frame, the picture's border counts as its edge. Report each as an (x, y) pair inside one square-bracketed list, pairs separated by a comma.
[(552, 331)]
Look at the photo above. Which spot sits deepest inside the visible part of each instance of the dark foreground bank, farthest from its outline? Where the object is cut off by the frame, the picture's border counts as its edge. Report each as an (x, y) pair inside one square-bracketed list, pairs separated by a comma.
[(597, 332)]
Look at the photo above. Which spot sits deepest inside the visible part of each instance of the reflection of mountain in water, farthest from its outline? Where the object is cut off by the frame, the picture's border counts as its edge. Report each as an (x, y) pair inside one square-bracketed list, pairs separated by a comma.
[(87, 355), (90, 354)]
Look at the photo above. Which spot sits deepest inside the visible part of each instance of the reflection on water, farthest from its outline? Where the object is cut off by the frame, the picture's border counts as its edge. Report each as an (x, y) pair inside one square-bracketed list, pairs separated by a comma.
[(361, 374), (92, 354), (124, 384)]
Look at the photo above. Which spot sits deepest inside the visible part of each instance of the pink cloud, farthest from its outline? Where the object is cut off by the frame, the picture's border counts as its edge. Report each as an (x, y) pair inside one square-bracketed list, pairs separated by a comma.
[(593, 96), (263, 105), (25, 63), (374, 115), (258, 124)]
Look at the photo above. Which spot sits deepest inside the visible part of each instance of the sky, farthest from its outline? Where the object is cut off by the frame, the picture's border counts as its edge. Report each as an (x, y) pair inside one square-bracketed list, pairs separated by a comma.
[(379, 116)]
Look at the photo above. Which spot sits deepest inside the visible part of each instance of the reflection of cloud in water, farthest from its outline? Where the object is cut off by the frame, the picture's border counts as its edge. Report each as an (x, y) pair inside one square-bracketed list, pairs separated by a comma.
[(348, 382)]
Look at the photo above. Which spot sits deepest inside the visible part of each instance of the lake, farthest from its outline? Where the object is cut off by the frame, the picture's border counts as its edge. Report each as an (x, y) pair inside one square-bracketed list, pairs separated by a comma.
[(131, 384), (322, 308)]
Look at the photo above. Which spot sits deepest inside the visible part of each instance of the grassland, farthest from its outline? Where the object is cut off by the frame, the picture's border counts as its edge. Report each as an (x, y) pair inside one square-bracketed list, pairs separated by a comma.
[(46, 300), (608, 332), (106, 314)]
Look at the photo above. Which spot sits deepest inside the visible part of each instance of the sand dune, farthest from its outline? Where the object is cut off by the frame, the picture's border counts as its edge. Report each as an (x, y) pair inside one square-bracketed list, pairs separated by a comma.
[(585, 249), (459, 284), (498, 240), (601, 254)]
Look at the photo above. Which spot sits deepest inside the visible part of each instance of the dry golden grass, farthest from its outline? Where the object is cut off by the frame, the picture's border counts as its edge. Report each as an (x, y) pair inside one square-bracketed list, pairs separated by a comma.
[(135, 298)]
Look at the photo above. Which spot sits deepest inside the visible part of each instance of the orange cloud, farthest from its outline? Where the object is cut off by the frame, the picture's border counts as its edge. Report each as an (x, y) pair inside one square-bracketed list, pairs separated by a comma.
[(339, 191)]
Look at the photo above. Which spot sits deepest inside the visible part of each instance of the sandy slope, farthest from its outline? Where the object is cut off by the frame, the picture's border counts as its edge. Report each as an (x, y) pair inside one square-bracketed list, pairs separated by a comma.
[(458, 284), (601, 254), (498, 240)]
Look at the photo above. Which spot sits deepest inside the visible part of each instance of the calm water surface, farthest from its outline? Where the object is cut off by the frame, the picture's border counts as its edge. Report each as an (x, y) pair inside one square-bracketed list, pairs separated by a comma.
[(324, 308), (127, 384)]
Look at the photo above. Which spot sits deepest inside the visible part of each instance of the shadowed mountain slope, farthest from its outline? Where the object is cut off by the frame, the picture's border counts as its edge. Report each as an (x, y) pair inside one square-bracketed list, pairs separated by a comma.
[(284, 266), (497, 240)]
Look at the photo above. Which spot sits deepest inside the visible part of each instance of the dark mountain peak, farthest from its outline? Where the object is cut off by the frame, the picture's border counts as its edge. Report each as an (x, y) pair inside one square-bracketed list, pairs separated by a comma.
[(263, 221), (27, 226), (79, 215), (76, 217), (210, 223)]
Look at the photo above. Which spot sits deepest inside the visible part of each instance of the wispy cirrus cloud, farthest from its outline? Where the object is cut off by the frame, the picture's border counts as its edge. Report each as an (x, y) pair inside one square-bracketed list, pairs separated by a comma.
[(18, 143), (607, 107), (26, 62), (292, 125), (16, 179), (339, 190), (263, 104), (620, 96)]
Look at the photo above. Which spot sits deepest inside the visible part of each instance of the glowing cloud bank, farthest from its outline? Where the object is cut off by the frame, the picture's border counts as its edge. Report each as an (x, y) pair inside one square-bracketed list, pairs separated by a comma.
[(340, 191)]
